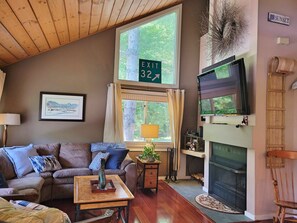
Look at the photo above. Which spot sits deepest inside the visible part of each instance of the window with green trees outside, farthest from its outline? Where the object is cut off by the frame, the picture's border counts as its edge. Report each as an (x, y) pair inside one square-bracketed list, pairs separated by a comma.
[(155, 38)]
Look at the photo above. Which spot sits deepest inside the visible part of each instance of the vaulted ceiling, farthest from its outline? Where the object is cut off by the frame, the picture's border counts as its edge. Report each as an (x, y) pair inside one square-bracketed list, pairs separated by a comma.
[(31, 27)]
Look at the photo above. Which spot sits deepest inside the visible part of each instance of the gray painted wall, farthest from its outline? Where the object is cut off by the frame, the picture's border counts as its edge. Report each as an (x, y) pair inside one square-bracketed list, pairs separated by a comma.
[(86, 66)]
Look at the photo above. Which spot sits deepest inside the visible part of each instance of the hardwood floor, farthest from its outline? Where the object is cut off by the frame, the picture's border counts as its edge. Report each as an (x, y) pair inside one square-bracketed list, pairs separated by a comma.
[(150, 207)]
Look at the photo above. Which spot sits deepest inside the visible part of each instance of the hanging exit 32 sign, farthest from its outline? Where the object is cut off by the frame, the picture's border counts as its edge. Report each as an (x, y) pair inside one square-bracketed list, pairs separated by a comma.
[(149, 71)]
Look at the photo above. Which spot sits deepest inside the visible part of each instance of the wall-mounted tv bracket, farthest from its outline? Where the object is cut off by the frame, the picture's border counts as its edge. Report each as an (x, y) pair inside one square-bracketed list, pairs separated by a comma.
[(245, 121)]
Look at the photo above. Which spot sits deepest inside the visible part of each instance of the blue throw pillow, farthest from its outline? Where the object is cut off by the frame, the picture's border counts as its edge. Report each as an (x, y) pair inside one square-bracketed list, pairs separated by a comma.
[(96, 162), (19, 156), (3, 183), (45, 163), (116, 157)]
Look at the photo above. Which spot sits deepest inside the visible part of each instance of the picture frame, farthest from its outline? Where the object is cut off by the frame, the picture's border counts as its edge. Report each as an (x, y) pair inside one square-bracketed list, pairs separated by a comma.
[(56, 106)]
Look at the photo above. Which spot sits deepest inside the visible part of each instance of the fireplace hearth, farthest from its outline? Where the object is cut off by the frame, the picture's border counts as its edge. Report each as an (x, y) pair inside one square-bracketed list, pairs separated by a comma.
[(227, 175)]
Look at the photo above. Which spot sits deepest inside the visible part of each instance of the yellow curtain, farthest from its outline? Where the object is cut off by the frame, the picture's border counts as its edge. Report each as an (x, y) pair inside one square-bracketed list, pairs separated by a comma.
[(176, 110), (113, 126)]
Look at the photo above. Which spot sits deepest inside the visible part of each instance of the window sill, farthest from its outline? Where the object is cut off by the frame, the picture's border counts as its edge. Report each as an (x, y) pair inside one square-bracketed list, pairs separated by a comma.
[(160, 147)]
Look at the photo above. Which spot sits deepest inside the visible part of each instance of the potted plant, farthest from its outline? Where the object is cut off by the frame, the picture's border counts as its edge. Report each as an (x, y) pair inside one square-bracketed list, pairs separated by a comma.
[(149, 153)]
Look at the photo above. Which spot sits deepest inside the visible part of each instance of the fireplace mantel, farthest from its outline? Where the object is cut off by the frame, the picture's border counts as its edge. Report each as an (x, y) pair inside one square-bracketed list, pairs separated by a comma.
[(229, 134)]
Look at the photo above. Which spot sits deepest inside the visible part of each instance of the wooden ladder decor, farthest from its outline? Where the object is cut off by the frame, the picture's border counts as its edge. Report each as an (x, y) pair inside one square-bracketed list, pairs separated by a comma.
[(275, 104)]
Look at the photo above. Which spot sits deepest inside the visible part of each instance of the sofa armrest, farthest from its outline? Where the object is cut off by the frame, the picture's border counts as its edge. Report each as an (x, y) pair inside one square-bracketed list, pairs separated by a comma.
[(26, 197), (131, 176), (8, 191), (13, 194)]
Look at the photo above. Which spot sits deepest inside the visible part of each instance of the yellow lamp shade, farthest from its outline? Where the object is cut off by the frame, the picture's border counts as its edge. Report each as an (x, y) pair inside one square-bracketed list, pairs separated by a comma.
[(149, 131)]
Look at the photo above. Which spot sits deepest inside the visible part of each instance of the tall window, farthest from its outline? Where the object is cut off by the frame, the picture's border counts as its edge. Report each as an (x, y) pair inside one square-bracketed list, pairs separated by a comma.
[(155, 38), (141, 107)]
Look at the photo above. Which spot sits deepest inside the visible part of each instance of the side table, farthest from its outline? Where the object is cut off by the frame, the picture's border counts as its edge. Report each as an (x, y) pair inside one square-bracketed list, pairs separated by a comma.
[(148, 173)]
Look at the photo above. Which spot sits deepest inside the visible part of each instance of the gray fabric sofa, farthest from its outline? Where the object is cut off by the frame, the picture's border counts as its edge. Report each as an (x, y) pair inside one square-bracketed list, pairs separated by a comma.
[(75, 159)]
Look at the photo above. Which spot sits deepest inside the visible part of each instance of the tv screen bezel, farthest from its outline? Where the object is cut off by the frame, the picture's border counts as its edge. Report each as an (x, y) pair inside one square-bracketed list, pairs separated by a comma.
[(245, 110)]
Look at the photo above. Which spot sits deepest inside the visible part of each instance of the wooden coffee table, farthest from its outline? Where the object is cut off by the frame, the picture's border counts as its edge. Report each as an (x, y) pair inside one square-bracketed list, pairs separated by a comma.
[(85, 199)]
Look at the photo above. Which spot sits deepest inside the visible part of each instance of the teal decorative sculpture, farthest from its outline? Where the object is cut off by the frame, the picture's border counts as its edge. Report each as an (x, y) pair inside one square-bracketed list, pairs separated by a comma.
[(101, 176)]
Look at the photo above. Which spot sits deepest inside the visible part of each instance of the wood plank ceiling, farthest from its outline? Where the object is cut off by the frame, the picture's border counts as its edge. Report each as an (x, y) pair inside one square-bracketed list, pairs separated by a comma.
[(31, 27)]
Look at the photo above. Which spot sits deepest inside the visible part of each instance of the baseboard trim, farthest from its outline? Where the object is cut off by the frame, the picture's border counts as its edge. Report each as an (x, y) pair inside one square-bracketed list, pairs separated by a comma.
[(258, 217)]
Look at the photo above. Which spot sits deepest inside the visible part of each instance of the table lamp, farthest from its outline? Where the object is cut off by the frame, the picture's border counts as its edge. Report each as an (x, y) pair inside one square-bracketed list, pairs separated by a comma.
[(149, 131), (8, 119)]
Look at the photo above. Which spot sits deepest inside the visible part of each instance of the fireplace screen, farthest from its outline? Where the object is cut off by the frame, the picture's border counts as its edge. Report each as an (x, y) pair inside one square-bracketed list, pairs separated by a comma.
[(227, 175)]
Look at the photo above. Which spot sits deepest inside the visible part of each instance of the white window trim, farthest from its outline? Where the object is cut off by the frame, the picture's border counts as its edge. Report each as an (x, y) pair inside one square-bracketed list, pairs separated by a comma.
[(178, 10)]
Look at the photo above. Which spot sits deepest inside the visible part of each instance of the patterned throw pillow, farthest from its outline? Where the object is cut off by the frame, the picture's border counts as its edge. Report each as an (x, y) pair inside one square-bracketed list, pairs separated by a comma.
[(45, 163), (96, 162)]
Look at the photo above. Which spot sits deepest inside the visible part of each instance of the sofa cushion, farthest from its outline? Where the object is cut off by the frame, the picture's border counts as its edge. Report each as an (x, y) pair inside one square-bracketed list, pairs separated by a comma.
[(19, 156), (3, 183), (6, 166), (75, 155), (63, 181), (26, 183), (45, 163), (116, 157), (48, 149), (96, 162), (43, 175), (71, 172)]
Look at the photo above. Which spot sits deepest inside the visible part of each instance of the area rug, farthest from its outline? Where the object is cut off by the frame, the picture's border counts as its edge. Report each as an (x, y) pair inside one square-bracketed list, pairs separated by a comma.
[(209, 202)]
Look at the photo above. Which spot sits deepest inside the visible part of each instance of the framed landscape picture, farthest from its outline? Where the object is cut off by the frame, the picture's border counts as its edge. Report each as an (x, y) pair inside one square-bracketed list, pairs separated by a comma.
[(56, 106)]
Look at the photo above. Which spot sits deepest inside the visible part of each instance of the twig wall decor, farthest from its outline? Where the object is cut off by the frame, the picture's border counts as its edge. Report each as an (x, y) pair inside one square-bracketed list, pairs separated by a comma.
[(225, 27)]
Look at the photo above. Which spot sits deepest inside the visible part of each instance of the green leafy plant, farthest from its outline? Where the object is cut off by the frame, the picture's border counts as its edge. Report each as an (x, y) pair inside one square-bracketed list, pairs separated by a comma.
[(149, 153)]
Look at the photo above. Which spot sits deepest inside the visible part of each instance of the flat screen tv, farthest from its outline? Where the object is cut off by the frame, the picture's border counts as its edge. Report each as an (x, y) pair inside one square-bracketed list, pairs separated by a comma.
[(223, 90)]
